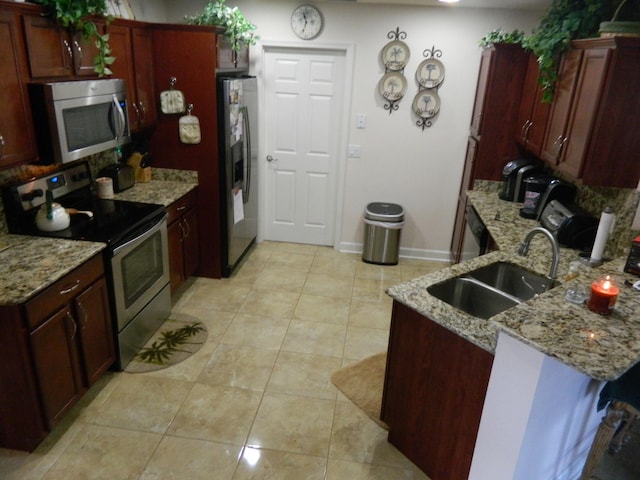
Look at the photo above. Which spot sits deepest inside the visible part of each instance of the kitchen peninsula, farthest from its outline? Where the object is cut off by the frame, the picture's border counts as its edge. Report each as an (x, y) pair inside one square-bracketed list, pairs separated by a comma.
[(550, 358)]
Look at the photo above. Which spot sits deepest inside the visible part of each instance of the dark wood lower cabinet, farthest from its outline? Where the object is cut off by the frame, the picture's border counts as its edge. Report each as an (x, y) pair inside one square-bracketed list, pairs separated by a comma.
[(434, 390), (52, 349)]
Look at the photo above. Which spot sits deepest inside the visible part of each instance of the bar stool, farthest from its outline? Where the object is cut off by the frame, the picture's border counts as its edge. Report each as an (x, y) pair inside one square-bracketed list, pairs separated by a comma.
[(623, 399)]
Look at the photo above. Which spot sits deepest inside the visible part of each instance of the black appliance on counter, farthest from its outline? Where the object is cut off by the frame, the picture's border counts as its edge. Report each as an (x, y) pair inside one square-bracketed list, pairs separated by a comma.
[(513, 175), (136, 258), (572, 225)]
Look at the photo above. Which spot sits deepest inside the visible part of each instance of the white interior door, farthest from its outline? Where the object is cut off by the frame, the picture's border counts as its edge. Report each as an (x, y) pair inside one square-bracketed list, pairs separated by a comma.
[(303, 92)]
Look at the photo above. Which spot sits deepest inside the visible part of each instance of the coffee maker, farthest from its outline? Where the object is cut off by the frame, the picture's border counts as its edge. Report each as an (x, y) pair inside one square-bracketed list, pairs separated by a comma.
[(513, 175), (542, 189)]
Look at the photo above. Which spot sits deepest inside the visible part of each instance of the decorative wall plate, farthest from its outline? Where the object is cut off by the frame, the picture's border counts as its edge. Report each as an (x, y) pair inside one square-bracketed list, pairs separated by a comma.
[(392, 86), (430, 73), (395, 55), (426, 103)]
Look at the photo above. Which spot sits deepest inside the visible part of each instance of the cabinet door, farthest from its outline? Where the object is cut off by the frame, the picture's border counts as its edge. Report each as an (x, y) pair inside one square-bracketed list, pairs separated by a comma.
[(56, 362), (533, 114), (95, 331), (122, 67), (434, 389), (190, 242), (228, 58), (583, 115), (17, 141), (49, 47), (84, 52), (560, 108), (143, 66), (176, 260), (457, 239), (481, 88)]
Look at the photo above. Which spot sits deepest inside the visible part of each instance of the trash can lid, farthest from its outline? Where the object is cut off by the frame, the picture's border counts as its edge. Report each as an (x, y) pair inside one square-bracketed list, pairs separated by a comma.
[(384, 212)]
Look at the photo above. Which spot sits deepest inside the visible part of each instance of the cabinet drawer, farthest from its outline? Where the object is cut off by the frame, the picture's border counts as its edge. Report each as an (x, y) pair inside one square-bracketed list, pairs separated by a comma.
[(180, 206), (62, 291)]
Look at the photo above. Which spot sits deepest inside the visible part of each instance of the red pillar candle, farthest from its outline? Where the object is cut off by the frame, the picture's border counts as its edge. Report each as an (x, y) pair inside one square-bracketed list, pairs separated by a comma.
[(604, 293)]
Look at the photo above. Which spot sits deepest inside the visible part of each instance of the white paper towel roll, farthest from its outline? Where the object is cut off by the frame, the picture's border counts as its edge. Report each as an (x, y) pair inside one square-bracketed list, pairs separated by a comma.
[(602, 235)]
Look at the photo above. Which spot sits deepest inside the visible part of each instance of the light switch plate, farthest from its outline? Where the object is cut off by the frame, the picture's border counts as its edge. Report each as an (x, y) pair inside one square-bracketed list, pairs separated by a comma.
[(354, 151), (361, 121)]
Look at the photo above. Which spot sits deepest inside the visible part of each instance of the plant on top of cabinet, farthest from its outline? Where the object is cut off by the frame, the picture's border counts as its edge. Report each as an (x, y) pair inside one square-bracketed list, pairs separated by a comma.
[(74, 15), (237, 28), (500, 36), (565, 20)]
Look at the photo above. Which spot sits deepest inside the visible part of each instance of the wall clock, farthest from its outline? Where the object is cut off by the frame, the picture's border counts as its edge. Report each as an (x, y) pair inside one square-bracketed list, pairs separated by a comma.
[(306, 21)]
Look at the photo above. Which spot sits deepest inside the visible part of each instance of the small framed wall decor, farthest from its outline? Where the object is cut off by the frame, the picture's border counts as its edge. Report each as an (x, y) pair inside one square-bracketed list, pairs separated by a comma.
[(394, 56), (429, 76)]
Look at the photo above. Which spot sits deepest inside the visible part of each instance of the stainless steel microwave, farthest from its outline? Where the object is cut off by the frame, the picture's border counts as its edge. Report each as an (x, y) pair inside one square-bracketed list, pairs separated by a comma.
[(79, 118)]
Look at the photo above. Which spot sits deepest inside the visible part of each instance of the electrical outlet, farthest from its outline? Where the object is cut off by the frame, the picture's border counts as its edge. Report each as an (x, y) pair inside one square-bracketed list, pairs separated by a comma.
[(354, 151), (361, 121)]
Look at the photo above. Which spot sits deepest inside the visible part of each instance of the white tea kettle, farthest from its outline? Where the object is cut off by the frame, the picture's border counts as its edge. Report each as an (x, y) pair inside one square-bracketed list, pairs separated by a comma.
[(52, 216)]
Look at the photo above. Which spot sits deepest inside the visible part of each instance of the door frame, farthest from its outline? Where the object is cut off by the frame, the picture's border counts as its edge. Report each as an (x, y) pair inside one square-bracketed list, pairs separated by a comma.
[(258, 69)]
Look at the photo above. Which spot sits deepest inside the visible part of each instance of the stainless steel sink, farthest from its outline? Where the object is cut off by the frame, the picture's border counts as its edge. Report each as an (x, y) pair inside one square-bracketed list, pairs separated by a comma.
[(491, 289), (473, 297), (512, 279)]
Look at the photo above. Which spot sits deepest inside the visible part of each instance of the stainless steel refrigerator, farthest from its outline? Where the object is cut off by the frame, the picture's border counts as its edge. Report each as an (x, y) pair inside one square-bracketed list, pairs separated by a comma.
[(238, 160)]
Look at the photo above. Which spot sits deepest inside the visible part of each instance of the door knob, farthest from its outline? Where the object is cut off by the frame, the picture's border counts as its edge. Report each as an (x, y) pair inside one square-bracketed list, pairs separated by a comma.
[(271, 158)]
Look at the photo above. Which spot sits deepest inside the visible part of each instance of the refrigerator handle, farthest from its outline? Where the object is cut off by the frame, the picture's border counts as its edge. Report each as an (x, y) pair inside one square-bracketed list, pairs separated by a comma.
[(247, 163)]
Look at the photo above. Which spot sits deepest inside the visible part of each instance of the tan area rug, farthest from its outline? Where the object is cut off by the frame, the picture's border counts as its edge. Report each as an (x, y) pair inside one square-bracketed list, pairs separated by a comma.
[(179, 337), (362, 383)]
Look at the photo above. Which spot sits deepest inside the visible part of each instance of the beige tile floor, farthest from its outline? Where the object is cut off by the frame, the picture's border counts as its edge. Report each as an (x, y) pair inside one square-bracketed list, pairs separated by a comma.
[(256, 401)]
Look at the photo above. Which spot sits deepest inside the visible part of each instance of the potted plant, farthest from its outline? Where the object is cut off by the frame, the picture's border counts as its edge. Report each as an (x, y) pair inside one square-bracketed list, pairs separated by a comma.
[(500, 36), (236, 27), (566, 20), (625, 21), (76, 17)]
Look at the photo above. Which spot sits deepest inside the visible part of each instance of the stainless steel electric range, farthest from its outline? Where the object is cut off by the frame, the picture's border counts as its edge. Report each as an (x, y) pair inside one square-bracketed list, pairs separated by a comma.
[(136, 259)]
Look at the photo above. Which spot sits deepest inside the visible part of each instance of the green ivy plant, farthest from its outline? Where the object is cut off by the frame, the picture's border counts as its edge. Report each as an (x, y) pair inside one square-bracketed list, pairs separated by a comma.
[(500, 36), (237, 28), (75, 16), (566, 20)]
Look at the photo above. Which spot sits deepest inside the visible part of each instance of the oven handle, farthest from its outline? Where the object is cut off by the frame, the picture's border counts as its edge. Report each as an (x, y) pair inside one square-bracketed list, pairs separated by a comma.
[(146, 234)]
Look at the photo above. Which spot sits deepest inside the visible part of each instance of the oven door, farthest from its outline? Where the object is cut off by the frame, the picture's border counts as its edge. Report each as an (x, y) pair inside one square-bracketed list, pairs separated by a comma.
[(140, 269)]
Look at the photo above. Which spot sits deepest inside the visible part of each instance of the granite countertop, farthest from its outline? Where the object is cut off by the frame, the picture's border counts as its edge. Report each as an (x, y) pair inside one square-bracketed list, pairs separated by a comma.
[(30, 264), (602, 347), (160, 192)]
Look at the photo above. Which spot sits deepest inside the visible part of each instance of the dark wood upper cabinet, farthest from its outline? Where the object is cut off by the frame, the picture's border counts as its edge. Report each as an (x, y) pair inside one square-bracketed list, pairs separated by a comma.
[(17, 139), (54, 52), (591, 134), (533, 113), (495, 112), (131, 44)]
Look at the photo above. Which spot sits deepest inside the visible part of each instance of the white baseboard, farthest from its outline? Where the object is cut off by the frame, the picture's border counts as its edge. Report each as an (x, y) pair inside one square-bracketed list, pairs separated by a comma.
[(417, 253)]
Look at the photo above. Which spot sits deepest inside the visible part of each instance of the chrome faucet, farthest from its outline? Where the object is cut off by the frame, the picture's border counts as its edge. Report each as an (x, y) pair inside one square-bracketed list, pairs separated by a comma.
[(524, 248)]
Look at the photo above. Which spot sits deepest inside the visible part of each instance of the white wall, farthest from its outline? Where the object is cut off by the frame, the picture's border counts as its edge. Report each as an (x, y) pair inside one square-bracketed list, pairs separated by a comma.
[(400, 163)]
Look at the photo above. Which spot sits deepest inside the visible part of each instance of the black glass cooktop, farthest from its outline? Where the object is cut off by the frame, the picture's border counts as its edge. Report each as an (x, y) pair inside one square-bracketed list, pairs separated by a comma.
[(112, 221)]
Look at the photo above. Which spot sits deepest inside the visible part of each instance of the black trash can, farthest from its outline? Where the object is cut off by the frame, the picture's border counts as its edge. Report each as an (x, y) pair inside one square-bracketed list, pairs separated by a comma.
[(383, 223)]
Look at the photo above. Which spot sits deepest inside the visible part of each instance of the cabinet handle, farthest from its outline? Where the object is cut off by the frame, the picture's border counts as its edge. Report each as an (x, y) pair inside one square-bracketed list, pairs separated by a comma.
[(2, 146), (561, 146), (83, 312), (69, 53), (523, 129), (137, 110), (556, 146), (526, 135), (143, 111), (71, 288), (187, 229), (181, 208), (79, 50), (182, 230), (73, 325)]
